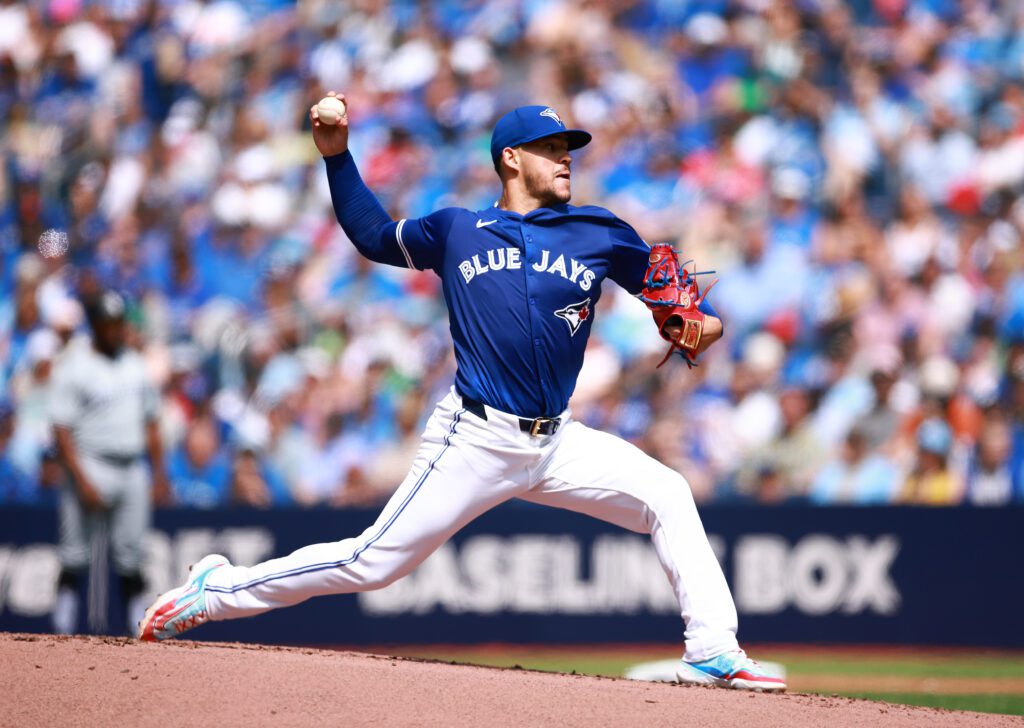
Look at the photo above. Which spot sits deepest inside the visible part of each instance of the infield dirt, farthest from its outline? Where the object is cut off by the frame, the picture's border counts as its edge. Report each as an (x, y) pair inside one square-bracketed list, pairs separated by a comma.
[(90, 681)]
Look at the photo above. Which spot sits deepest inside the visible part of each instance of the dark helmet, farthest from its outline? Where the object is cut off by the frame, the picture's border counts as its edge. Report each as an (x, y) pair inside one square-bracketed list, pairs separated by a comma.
[(108, 306)]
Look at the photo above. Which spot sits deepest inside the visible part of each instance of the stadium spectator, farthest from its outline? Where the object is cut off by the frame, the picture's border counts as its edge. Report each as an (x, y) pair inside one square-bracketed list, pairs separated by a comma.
[(395, 456), (256, 484), (989, 476), (339, 458), (200, 469), (20, 315), (16, 485), (31, 392), (932, 481), (859, 476), (879, 426), (793, 457), (851, 171)]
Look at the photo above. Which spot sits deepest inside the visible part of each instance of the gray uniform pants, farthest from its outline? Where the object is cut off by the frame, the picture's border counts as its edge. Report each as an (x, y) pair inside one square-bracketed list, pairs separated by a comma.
[(125, 489)]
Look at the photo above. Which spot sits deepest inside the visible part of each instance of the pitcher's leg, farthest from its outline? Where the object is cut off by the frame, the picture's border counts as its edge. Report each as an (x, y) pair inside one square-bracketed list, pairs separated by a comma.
[(447, 487), (626, 487)]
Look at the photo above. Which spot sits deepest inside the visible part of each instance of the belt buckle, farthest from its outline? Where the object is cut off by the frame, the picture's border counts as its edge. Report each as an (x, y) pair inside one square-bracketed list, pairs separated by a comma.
[(537, 424)]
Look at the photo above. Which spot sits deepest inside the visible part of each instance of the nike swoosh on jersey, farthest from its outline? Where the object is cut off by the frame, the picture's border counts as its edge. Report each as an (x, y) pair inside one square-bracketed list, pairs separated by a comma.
[(481, 223)]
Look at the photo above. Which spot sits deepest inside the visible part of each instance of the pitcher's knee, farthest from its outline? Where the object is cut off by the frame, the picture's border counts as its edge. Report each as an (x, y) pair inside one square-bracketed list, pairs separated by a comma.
[(672, 493), (379, 581), (378, 573), (679, 487)]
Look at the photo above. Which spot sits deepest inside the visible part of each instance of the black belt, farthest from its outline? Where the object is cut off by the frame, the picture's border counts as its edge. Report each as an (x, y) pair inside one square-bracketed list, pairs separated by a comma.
[(536, 427), (117, 459)]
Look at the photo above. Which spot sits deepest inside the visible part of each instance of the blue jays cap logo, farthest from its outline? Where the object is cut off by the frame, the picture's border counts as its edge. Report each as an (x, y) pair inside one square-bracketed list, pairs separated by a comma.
[(575, 314), (551, 114), (523, 125)]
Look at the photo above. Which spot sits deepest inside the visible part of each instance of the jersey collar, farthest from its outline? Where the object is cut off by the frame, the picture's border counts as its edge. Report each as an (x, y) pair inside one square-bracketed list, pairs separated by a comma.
[(540, 212)]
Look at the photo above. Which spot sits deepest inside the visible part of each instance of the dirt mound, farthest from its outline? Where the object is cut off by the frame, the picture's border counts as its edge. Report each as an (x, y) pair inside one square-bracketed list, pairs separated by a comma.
[(89, 681)]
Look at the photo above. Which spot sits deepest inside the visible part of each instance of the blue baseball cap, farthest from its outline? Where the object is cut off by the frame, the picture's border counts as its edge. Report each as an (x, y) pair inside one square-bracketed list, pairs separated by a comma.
[(528, 124)]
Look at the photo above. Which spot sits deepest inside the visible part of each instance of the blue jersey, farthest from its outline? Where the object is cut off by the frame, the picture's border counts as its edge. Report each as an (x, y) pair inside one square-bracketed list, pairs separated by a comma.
[(522, 290)]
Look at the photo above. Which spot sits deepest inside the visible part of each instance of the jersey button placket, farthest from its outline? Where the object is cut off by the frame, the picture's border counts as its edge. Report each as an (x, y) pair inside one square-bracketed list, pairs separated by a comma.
[(535, 326), (528, 245)]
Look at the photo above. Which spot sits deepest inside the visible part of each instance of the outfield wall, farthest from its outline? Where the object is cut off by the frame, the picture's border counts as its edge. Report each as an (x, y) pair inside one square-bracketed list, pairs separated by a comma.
[(527, 574)]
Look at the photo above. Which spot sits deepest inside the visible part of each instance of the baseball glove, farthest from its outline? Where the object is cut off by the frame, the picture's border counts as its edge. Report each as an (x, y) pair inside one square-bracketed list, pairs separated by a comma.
[(671, 292)]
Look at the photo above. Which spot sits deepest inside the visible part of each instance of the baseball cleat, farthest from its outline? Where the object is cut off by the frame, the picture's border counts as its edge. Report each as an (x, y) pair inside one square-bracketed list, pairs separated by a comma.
[(730, 670), (183, 607)]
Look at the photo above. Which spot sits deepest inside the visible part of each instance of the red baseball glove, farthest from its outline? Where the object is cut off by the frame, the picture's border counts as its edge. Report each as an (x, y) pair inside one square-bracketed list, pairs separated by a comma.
[(672, 294)]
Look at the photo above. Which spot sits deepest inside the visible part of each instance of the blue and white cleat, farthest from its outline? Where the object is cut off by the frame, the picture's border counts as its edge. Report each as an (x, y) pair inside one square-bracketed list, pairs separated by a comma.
[(730, 670), (183, 607)]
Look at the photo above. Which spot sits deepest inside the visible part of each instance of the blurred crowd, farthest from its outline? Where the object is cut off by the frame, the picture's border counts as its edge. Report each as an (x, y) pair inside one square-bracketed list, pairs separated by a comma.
[(853, 171)]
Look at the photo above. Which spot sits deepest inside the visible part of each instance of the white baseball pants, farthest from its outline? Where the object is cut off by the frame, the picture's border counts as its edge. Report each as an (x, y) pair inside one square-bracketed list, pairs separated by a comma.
[(466, 466)]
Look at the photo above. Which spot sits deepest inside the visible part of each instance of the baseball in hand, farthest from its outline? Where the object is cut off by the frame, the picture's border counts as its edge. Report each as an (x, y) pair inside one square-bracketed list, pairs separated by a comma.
[(330, 110)]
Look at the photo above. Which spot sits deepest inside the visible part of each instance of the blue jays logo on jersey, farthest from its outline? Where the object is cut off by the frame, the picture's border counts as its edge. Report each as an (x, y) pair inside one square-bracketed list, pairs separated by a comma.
[(552, 114), (575, 314)]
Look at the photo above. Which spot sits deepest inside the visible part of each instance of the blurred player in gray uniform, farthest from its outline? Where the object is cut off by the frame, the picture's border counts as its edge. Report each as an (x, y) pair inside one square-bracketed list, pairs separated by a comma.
[(104, 413)]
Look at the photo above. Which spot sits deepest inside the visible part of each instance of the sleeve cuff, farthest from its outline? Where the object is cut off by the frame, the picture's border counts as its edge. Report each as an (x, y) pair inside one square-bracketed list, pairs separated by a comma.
[(336, 161), (706, 308)]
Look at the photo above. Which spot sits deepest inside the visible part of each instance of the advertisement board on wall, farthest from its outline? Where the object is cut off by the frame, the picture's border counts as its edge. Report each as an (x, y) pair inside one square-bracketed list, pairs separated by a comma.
[(526, 574)]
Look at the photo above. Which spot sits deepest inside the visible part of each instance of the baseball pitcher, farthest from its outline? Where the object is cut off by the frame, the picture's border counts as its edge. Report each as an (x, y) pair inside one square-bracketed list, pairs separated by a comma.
[(522, 282)]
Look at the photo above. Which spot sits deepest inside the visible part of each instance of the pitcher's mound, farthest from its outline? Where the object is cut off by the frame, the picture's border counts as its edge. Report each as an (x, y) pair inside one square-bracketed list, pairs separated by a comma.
[(90, 681)]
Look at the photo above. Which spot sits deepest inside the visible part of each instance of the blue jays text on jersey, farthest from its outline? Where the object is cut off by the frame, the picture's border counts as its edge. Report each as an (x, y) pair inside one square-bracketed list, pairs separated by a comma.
[(521, 290)]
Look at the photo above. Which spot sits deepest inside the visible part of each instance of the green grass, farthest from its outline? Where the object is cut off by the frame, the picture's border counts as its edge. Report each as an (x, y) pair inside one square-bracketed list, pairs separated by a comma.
[(968, 666), (991, 703), (925, 666), (949, 665)]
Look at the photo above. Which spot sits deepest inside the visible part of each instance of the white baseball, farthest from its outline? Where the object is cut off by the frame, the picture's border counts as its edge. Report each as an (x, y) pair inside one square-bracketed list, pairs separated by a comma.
[(330, 110)]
